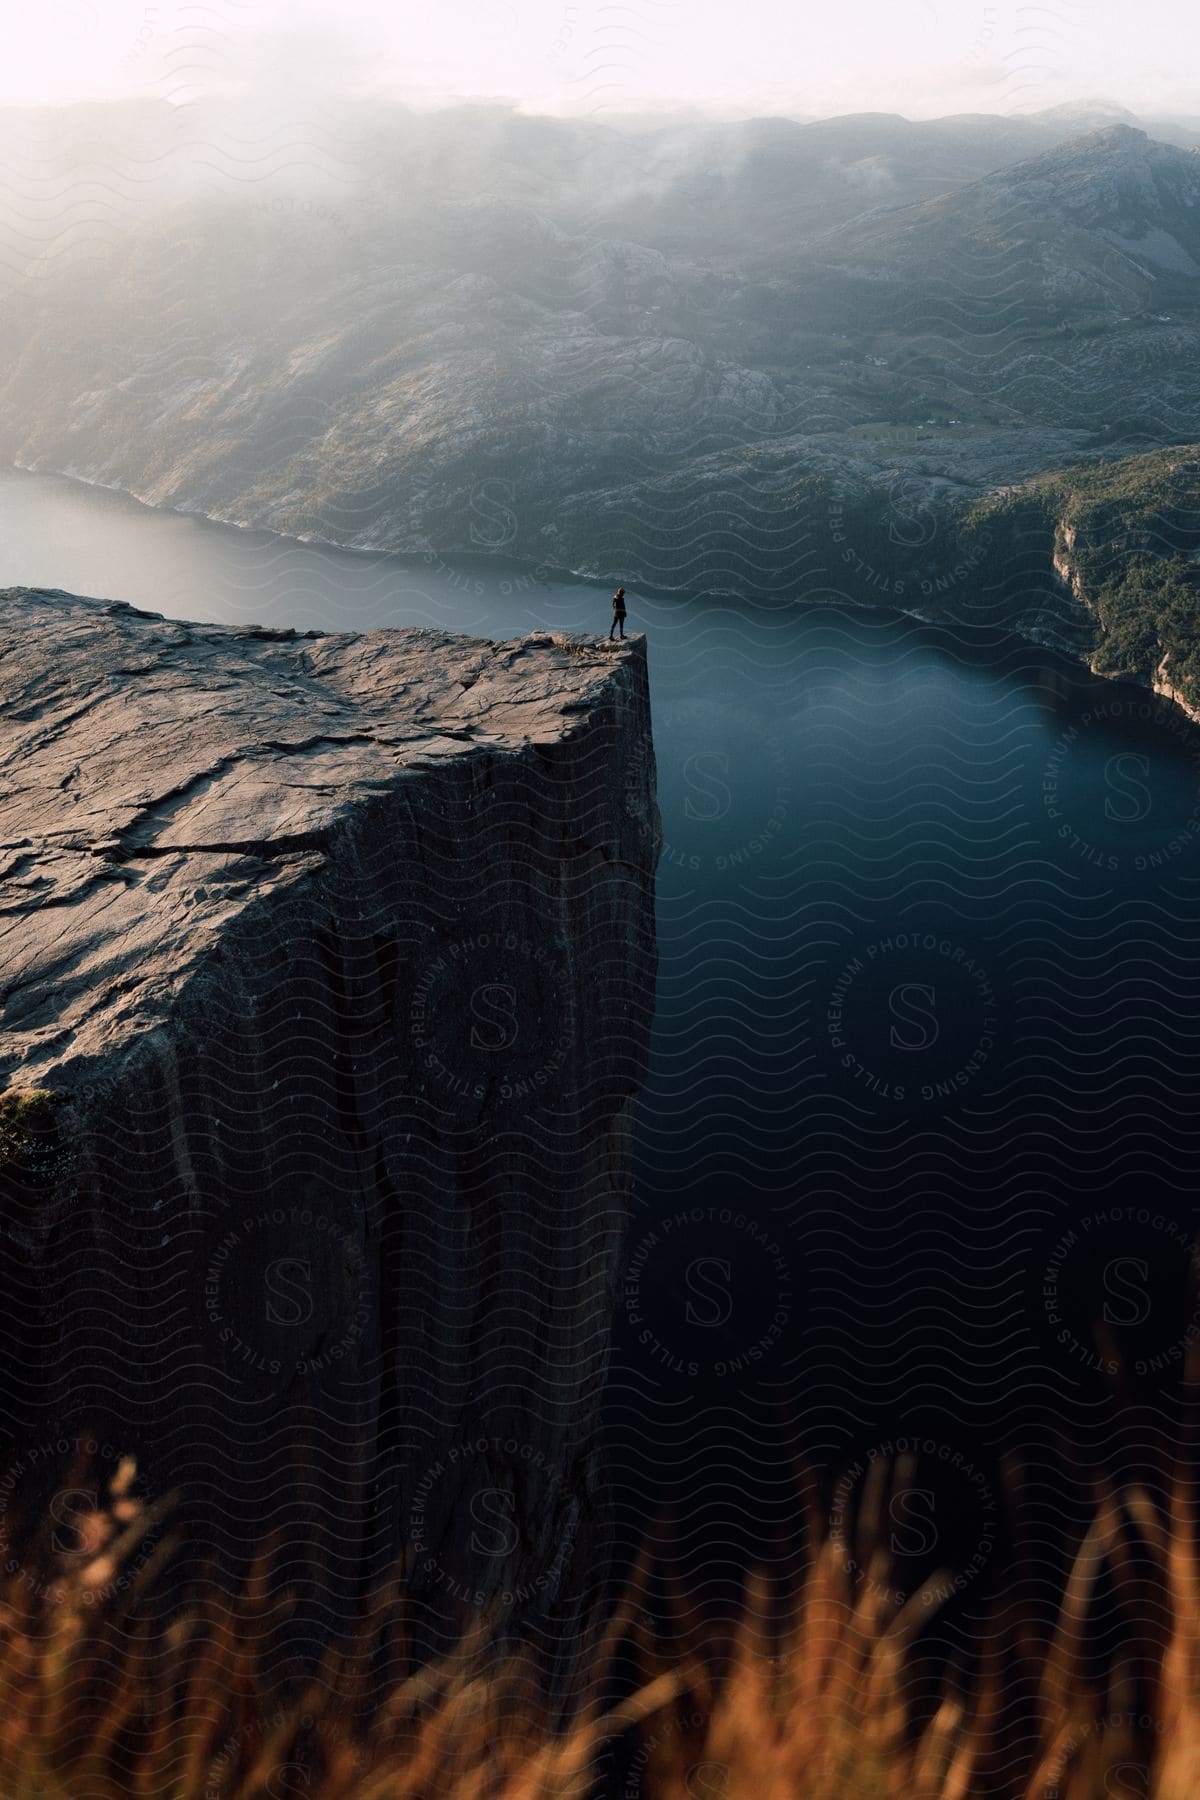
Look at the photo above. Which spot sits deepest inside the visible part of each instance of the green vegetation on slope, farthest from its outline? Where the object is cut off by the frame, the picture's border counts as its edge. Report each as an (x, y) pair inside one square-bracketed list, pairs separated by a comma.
[(31, 1155), (1125, 535)]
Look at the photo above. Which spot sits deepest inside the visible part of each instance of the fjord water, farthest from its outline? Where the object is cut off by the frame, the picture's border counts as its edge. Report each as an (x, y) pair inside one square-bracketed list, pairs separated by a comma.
[(918, 1143)]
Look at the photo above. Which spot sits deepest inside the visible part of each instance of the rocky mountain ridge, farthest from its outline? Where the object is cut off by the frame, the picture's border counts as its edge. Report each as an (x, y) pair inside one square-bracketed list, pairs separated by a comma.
[(387, 376), (483, 356)]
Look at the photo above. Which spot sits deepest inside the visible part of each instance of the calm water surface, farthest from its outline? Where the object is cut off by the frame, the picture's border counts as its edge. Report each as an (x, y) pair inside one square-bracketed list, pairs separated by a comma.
[(922, 1105)]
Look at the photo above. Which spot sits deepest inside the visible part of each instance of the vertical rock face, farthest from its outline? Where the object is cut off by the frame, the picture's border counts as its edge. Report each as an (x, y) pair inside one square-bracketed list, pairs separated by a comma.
[(327, 971)]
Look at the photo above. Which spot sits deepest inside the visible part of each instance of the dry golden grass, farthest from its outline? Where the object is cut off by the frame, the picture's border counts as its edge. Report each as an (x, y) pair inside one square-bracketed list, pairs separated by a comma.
[(102, 1700)]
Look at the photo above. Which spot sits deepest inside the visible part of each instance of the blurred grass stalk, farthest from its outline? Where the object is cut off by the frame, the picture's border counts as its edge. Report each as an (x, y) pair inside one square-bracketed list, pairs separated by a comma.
[(101, 1699)]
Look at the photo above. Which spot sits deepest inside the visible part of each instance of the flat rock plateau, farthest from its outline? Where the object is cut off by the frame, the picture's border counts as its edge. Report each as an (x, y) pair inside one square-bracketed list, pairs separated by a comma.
[(326, 976)]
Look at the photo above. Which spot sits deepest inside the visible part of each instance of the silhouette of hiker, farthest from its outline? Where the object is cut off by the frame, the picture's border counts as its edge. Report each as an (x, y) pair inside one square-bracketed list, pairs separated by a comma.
[(618, 612)]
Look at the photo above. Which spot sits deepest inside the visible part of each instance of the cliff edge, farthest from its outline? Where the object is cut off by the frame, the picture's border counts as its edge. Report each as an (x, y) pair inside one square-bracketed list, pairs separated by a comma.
[(1103, 561), (326, 976)]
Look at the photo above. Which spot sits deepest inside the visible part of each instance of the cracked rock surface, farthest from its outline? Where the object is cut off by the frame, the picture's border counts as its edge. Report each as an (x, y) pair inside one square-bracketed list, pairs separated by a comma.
[(326, 975), (159, 778)]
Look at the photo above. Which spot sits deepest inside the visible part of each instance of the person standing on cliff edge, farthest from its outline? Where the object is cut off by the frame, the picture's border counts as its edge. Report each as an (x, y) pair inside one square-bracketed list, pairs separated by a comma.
[(618, 612)]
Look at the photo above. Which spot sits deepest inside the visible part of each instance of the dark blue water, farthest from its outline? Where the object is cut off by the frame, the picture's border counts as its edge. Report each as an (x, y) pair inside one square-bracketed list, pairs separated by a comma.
[(917, 1151)]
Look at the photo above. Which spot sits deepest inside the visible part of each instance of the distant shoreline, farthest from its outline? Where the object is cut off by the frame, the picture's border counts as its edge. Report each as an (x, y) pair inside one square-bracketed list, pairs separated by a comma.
[(544, 573)]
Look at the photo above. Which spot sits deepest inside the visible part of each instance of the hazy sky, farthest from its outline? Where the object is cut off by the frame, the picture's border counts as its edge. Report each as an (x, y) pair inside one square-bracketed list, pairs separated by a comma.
[(920, 57)]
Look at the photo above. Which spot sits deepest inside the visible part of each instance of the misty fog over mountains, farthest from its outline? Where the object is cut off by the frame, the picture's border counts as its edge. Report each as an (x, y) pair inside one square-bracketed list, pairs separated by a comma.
[(662, 350)]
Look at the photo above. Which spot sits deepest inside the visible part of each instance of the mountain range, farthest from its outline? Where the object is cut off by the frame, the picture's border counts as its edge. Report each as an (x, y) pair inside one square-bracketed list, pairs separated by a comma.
[(686, 355)]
